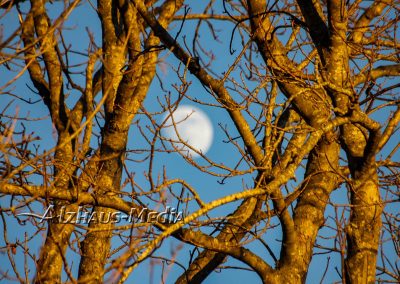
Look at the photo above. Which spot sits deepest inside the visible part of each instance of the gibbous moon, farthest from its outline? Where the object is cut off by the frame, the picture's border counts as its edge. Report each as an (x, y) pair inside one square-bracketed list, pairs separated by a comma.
[(193, 127)]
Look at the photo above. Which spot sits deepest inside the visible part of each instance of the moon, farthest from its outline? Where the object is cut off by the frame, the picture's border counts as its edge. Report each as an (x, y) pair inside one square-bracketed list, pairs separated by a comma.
[(192, 126)]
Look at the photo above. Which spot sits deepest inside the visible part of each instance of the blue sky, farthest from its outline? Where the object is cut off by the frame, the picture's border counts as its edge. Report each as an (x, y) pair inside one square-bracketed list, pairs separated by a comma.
[(207, 186)]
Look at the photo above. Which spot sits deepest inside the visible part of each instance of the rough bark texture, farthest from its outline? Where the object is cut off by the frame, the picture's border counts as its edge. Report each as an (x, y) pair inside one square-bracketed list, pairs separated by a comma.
[(300, 93)]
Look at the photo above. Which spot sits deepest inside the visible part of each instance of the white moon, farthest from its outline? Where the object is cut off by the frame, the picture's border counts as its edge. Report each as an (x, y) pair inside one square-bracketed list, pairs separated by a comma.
[(192, 126)]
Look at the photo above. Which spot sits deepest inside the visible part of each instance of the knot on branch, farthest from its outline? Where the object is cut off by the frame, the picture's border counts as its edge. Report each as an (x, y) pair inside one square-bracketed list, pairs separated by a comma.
[(194, 65)]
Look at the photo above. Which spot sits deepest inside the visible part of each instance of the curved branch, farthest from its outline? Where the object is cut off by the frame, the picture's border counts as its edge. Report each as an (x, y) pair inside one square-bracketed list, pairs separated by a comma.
[(235, 250), (378, 72), (208, 81), (362, 24)]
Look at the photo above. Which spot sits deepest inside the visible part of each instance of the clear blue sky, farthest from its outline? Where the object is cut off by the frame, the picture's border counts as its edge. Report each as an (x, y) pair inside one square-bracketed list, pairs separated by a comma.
[(176, 167)]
